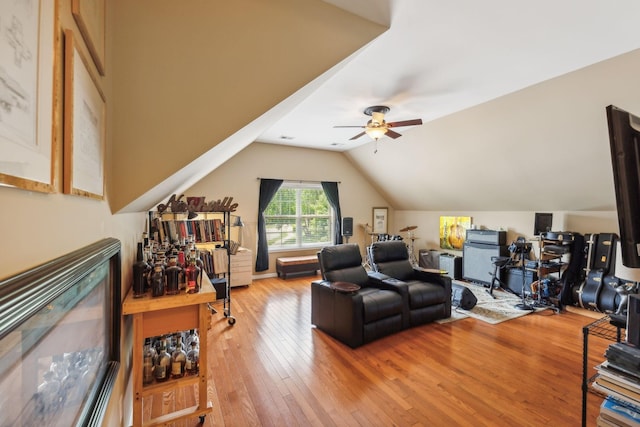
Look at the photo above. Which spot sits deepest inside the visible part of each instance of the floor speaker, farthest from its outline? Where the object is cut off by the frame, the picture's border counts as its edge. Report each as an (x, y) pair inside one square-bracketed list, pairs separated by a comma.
[(347, 226)]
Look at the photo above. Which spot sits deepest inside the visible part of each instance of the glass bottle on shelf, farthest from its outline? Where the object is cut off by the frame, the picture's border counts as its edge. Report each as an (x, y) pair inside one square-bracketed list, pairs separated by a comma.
[(193, 275), (178, 360), (140, 269), (157, 280), (192, 337), (192, 365), (173, 276), (148, 362), (163, 364)]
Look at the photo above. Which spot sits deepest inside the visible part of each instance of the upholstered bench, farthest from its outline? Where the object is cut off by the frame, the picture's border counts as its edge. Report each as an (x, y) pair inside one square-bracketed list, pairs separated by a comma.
[(297, 264)]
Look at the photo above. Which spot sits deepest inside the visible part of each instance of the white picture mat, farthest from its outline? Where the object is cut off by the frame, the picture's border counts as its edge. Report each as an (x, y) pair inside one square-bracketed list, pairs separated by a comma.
[(26, 91)]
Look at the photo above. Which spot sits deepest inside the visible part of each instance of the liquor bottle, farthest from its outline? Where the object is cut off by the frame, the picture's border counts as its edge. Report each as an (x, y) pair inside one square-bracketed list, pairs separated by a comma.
[(140, 269), (192, 365), (173, 276), (163, 365), (193, 275), (192, 337), (148, 362), (178, 360), (157, 280)]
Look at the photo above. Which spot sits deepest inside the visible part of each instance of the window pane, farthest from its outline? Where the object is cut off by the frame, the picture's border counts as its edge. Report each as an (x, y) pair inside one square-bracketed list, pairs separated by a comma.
[(299, 216)]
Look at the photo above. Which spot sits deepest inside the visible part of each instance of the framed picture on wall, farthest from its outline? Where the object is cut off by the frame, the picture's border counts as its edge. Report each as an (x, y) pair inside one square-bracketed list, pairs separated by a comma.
[(26, 94), (84, 126), (90, 17), (453, 231), (380, 220)]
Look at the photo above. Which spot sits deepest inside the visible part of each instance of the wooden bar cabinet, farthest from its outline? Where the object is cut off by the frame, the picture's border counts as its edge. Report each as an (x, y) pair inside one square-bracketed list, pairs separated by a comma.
[(164, 315)]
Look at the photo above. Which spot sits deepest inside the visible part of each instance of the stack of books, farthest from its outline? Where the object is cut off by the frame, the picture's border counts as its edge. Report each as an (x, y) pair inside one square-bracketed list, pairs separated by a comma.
[(619, 378)]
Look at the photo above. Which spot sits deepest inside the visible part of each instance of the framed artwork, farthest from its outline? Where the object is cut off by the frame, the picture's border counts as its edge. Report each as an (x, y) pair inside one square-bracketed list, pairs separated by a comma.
[(84, 126), (90, 17), (27, 140), (380, 220), (453, 231)]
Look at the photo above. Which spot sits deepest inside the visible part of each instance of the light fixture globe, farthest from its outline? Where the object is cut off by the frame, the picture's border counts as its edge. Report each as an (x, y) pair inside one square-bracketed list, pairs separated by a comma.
[(376, 132)]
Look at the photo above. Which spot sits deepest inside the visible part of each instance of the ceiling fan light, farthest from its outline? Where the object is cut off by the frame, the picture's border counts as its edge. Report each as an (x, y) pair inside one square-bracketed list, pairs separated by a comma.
[(376, 132)]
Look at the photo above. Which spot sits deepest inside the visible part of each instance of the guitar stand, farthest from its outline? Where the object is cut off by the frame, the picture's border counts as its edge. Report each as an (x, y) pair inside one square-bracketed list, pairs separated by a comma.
[(498, 262)]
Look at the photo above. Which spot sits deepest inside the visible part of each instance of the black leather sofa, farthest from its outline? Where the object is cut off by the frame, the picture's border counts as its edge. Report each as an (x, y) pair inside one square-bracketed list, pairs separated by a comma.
[(428, 294), (355, 317)]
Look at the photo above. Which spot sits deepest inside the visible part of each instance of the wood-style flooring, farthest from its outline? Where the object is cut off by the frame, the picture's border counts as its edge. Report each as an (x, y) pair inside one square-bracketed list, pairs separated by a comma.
[(272, 368)]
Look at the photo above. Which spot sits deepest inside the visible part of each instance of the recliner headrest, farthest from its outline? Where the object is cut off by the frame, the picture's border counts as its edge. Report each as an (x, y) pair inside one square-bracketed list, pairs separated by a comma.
[(392, 250)]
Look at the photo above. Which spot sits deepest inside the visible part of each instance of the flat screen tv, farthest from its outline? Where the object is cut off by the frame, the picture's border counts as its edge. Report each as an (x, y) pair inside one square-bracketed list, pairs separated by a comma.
[(624, 140), (542, 223)]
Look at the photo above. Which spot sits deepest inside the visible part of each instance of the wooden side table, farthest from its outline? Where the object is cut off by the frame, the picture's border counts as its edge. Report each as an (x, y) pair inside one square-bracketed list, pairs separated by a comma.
[(165, 315)]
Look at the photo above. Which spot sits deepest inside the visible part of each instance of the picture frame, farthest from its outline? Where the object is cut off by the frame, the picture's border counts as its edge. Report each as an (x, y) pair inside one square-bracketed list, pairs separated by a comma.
[(27, 131), (453, 231), (380, 220), (84, 126), (90, 18)]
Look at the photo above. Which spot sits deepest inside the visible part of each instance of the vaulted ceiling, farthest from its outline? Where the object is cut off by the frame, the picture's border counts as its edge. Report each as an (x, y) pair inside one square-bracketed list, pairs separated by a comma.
[(512, 94)]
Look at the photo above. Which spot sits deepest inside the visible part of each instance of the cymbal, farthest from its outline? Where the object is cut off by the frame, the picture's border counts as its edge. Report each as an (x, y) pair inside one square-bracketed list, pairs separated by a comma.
[(374, 234), (408, 228)]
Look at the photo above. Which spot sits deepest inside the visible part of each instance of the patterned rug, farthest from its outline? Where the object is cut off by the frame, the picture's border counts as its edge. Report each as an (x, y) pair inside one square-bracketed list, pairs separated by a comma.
[(488, 309)]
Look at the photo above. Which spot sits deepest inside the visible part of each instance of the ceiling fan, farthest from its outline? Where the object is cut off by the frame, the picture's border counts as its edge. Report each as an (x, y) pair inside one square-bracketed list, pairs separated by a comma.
[(376, 128)]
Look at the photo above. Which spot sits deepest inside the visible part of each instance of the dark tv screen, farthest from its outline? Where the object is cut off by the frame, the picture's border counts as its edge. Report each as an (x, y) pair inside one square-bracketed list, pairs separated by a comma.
[(543, 223), (624, 141)]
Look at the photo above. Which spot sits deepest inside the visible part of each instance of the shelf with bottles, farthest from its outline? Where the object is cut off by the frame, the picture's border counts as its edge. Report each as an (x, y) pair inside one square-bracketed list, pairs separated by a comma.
[(170, 357)]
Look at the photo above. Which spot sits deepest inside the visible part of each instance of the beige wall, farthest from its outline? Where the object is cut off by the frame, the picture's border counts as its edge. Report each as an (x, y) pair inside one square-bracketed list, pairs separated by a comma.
[(516, 223), (238, 178)]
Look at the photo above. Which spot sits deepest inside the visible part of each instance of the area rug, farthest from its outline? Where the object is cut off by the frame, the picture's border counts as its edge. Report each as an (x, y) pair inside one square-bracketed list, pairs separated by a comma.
[(488, 309)]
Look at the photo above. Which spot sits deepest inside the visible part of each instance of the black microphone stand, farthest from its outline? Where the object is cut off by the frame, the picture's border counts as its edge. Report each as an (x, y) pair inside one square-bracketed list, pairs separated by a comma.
[(521, 247)]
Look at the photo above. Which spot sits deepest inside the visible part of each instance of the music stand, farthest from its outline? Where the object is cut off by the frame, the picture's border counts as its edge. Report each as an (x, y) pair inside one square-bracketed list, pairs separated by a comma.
[(520, 246)]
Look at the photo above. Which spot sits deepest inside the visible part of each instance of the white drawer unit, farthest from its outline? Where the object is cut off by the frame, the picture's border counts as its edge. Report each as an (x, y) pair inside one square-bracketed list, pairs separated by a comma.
[(241, 268)]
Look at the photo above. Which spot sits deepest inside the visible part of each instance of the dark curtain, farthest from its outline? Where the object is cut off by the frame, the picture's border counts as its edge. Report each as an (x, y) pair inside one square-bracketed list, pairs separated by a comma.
[(331, 191), (268, 189)]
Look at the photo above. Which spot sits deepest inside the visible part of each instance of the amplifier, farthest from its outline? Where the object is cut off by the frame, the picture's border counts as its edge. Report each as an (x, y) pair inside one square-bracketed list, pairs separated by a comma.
[(452, 265), (488, 237), (476, 261), (513, 280)]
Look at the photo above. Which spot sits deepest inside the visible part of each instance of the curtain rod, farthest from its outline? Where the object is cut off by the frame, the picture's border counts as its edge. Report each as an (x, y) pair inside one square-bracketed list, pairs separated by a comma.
[(296, 180)]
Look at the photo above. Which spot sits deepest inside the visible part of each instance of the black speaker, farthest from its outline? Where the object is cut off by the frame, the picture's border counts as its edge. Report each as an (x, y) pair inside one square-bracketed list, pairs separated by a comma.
[(347, 226), (462, 297)]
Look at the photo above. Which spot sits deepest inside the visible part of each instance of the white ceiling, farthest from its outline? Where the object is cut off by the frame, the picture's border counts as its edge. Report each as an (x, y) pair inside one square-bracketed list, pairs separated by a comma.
[(441, 57)]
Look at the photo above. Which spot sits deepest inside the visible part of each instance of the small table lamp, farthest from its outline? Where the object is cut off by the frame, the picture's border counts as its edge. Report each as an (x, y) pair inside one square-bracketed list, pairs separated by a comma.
[(238, 223)]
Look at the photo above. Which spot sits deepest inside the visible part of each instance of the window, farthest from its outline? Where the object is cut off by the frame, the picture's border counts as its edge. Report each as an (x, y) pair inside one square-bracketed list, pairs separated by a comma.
[(299, 216)]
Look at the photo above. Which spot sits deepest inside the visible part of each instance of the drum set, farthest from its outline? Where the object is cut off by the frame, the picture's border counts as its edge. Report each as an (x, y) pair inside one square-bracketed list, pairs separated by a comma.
[(382, 237)]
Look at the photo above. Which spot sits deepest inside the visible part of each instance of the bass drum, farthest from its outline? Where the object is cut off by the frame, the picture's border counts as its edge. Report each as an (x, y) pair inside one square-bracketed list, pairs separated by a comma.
[(609, 298)]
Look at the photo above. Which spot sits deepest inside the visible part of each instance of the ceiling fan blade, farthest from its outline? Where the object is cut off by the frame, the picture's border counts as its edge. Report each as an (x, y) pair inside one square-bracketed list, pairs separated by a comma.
[(392, 134), (357, 136), (405, 123), (362, 127)]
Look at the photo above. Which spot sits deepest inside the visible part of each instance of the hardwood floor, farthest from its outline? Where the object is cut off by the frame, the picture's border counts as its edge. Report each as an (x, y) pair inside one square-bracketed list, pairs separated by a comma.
[(272, 368)]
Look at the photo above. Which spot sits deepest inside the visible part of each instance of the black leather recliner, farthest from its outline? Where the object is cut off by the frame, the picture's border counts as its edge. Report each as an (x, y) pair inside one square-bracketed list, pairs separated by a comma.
[(429, 294), (356, 317)]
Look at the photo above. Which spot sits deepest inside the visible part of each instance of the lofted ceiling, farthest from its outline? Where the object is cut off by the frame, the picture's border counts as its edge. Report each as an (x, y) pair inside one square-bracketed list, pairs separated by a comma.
[(512, 103)]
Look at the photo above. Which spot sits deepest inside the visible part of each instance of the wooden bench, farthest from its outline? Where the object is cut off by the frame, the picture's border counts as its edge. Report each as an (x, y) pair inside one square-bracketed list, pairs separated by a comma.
[(297, 264)]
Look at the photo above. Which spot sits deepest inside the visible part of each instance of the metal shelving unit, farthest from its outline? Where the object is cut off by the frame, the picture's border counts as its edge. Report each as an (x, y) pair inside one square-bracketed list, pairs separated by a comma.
[(605, 328)]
